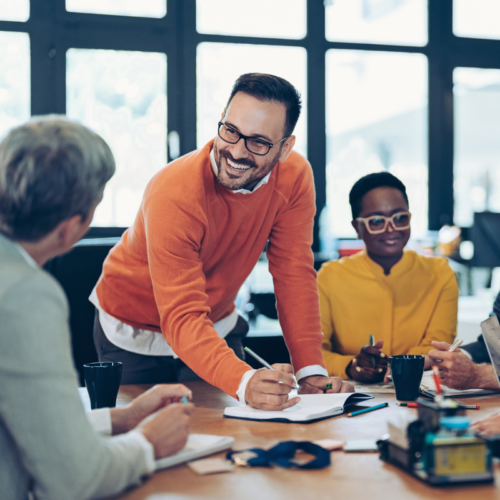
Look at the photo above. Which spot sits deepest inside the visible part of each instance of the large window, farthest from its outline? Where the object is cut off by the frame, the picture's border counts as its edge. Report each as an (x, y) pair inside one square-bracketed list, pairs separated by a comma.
[(14, 10), (260, 18), (408, 86), (220, 64), (476, 18), (122, 96), (142, 8), (402, 22), (375, 123), (14, 79), (477, 142)]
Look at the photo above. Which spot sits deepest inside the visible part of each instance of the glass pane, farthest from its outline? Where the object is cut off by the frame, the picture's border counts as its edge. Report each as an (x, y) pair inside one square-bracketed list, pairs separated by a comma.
[(144, 8), (402, 22), (376, 119), (261, 18), (476, 18), (14, 79), (477, 148), (122, 96), (14, 10), (220, 64)]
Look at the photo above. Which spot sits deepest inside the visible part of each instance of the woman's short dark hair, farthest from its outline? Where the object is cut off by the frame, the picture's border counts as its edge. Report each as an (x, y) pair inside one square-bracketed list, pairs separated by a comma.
[(369, 182), (271, 88)]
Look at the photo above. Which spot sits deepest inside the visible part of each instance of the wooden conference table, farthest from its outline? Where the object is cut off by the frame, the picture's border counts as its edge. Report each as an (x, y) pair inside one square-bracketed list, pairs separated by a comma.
[(350, 476)]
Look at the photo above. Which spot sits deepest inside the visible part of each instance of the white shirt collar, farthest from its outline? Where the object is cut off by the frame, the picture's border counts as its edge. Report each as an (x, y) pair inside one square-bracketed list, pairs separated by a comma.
[(27, 257), (263, 181)]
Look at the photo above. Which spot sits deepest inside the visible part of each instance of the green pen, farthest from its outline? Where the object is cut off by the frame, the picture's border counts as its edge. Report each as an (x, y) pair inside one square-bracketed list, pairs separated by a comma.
[(328, 386)]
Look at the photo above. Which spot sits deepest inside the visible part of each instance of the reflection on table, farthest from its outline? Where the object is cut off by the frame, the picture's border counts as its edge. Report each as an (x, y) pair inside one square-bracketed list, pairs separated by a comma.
[(351, 475)]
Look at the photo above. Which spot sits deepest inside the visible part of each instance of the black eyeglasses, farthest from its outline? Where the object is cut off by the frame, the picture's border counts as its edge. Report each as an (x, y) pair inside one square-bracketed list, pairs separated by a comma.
[(254, 145)]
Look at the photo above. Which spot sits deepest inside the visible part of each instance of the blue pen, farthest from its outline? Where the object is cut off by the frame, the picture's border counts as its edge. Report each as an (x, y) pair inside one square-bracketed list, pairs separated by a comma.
[(366, 410), (184, 400)]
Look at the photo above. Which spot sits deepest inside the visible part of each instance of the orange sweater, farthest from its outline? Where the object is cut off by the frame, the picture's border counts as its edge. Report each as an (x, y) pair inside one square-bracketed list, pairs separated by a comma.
[(179, 267)]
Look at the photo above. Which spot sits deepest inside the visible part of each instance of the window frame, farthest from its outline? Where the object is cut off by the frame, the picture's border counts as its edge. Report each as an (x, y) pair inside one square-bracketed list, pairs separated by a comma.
[(53, 30)]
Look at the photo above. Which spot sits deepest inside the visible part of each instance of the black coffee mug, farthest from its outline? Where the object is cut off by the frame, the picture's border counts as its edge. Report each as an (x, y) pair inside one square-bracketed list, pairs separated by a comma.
[(407, 371), (103, 381)]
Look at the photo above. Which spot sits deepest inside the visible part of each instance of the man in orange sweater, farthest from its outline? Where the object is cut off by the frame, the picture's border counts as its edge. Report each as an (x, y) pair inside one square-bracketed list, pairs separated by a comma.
[(167, 289)]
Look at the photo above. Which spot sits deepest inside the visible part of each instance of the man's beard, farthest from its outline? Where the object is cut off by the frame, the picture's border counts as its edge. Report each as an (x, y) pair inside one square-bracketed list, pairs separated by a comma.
[(234, 186)]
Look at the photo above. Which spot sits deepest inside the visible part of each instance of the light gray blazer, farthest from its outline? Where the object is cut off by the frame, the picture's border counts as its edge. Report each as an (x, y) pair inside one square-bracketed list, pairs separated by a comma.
[(47, 444)]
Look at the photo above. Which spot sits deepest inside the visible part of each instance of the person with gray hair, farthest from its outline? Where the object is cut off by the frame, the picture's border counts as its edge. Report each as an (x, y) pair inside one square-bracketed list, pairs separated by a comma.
[(52, 176)]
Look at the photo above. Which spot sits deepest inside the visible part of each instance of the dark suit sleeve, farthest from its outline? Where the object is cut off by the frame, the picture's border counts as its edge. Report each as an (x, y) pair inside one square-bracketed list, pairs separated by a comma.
[(478, 349)]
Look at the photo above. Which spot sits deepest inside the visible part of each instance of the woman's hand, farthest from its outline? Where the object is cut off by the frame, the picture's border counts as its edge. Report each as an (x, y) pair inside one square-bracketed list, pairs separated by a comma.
[(167, 429), (159, 396), (362, 368)]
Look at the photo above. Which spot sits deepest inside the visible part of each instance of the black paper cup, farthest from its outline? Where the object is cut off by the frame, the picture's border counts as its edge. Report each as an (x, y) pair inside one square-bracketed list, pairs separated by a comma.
[(407, 371), (103, 381)]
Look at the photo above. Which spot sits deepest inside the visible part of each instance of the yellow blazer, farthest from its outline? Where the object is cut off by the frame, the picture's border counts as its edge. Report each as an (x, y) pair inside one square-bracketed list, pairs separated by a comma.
[(415, 304)]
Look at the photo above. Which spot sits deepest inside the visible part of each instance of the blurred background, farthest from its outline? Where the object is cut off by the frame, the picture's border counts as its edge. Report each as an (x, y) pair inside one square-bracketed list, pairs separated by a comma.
[(407, 86)]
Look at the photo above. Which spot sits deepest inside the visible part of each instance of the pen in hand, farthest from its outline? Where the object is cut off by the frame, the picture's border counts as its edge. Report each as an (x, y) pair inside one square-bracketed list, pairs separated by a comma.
[(372, 344), (453, 348), (455, 345), (263, 362)]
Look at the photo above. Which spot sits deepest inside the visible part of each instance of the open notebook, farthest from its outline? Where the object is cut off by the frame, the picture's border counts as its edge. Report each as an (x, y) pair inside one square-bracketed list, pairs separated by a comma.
[(197, 446), (312, 407), (428, 388)]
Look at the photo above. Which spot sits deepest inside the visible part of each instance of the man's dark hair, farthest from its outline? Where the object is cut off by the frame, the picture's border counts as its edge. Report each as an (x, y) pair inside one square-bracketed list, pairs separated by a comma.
[(369, 182), (271, 88)]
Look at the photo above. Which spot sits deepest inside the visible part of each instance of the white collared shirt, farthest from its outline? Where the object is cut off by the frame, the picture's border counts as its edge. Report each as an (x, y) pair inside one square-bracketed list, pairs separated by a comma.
[(215, 168)]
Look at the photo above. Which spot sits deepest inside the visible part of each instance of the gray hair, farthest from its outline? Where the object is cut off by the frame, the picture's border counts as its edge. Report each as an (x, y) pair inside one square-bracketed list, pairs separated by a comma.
[(51, 169)]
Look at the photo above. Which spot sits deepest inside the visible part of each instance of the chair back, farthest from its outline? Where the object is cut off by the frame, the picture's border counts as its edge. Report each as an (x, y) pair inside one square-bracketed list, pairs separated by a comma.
[(78, 272)]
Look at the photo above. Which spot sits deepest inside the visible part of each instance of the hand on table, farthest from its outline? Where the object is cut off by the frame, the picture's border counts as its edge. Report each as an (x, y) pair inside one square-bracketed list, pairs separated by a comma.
[(167, 429), (457, 371), (269, 389), (317, 385), (159, 396), (361, 367), (488, 425), (427, 362), (387, 375)]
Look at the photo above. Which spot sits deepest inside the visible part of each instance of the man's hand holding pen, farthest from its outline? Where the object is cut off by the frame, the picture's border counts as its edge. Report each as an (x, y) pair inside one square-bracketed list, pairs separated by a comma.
[(269, 389)]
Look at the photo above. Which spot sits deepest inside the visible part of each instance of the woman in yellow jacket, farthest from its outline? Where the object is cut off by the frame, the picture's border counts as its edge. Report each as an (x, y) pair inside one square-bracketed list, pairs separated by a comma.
[(404, 299)]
